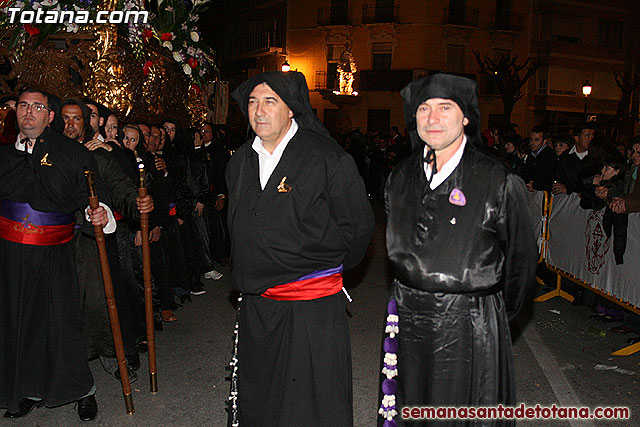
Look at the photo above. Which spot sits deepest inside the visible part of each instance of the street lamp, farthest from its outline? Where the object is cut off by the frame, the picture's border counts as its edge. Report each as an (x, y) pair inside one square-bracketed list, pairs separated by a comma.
[(586, 91), (285, 66)]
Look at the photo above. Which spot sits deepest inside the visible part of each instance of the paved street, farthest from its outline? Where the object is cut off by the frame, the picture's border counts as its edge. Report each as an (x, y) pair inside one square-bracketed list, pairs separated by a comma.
[(555, 359)]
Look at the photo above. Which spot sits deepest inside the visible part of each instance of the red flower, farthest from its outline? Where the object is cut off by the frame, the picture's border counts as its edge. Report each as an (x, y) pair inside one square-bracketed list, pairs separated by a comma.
[(193, 62), (195, 88), (33, 31), (165, 37), (146, 35), (146, 67)]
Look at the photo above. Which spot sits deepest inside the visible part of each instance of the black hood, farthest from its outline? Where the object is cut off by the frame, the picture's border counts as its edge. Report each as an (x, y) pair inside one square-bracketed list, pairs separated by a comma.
[(460, 90), (291, 86)]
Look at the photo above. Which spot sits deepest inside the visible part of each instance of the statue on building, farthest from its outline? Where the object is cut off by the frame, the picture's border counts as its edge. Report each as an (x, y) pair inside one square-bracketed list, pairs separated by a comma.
[(346, 69)]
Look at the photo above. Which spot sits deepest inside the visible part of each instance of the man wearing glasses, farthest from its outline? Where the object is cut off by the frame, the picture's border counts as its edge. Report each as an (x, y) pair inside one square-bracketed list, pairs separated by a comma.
[(43, 358)]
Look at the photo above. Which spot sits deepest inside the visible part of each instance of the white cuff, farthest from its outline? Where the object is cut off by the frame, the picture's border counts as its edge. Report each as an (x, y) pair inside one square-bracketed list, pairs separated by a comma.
[(111, 225)]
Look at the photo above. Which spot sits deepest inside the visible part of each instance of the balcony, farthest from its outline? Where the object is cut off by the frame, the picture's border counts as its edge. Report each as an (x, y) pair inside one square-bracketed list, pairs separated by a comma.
[(334, 16), (254, 44), (464, 17), (372, 14), (513, 23)]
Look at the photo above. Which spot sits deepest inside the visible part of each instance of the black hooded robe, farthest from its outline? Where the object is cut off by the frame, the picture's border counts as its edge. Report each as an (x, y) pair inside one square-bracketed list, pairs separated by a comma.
[(294, 357), (464, 256), (43, 352)]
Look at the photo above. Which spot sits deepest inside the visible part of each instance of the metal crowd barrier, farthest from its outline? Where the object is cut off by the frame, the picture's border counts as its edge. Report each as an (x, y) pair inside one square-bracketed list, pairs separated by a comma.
[(573, 244)]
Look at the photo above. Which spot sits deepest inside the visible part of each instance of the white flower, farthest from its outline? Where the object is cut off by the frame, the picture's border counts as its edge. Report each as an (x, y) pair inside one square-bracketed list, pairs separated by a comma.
[(177, 56), (195, 36), (36, 6), (72, 28), (191, 51), (19, 4), (186, 69), (184, 26), (168, 45), (194, 18)]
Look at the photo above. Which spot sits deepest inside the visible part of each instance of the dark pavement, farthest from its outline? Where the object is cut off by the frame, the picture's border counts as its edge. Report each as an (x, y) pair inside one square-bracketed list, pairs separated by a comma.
[(555, 355)]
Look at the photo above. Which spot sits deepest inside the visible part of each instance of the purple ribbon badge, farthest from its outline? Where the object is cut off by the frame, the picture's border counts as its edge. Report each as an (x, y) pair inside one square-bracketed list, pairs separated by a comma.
[(457, 197)]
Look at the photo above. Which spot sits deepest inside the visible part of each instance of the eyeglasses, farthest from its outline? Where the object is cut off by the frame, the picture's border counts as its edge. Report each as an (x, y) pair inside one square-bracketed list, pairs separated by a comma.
[(25, 106)]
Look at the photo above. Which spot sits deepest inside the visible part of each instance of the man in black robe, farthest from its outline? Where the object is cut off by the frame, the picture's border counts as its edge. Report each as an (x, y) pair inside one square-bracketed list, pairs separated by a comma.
[(43, 357), (461, 240), (125, 201), (298, 215)]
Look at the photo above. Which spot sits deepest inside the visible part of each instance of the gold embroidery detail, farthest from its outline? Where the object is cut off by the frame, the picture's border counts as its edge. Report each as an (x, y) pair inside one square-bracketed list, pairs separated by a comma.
[(27, 227), (44, 161), (284, 188)]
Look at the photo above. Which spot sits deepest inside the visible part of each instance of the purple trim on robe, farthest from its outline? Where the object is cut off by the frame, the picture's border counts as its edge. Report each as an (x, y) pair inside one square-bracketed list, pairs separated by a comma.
[(322, 273), (21, 212)]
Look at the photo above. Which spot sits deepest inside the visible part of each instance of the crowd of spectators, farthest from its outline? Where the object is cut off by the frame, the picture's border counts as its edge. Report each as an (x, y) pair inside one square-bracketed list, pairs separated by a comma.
[(184, 173), (602, 173)]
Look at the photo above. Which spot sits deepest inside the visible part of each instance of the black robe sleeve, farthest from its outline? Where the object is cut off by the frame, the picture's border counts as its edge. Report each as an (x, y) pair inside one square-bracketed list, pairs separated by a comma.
[(516, 231), (350, 209)]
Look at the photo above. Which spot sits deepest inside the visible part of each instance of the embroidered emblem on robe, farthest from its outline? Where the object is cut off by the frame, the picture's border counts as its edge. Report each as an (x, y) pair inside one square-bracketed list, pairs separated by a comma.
[(457, 197), (283, 187), (44, 161)]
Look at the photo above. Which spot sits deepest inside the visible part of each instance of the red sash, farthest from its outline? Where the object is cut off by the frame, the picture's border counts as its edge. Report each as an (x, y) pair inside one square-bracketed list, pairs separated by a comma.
[(30, 234), (20, 223), (307, 289)]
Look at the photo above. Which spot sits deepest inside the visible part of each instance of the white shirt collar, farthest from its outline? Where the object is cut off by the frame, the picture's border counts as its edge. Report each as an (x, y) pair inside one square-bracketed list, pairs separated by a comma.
[(23, 147), (580, 155), (269, 161), (446, 169)]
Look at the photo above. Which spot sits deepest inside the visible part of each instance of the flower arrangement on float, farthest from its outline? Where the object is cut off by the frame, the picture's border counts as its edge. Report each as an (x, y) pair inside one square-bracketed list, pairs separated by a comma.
[(51, 13), (172, 25)]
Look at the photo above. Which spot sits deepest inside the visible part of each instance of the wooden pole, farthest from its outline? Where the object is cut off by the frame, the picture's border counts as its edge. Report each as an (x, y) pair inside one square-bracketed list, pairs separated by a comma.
[(148, 294), (111, 300)]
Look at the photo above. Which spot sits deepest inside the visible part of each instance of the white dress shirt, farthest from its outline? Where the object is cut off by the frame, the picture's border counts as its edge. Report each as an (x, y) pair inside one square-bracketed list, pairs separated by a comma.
[(446, 169), (269, 161)]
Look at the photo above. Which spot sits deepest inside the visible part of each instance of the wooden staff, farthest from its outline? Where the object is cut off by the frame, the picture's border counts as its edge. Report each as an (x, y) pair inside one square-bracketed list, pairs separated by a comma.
[(111, 301), (148, 294)]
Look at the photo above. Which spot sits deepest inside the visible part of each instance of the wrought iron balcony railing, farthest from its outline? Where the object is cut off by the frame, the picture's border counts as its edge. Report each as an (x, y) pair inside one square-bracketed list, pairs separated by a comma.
[(253, 44), (508, 23), (463, 16), (372, 14), (335, 16)]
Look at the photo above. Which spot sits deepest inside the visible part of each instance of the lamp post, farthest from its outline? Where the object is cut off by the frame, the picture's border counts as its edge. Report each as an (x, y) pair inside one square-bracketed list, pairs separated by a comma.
[(586, 91)]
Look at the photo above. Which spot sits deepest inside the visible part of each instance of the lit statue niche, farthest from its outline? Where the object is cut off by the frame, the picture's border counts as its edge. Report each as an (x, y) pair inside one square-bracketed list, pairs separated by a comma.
[(346, 69)]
